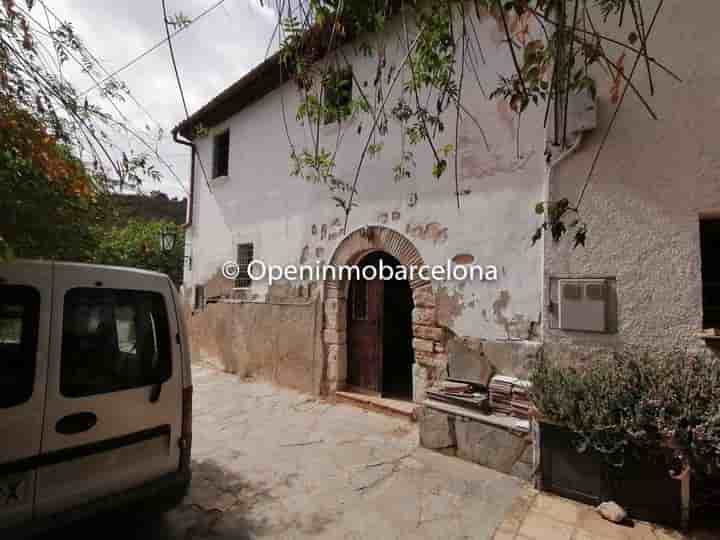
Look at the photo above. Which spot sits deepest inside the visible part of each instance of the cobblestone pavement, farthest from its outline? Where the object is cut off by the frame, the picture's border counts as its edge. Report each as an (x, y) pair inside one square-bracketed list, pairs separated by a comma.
[(540, 516), (273, 463)]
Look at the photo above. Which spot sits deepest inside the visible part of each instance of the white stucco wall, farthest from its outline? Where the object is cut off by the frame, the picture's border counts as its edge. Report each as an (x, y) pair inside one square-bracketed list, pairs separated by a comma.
[(653, 182), (261, 203)]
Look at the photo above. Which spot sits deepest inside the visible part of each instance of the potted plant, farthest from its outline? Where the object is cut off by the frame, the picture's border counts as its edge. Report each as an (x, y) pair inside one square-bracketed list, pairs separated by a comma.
[(628, 428)]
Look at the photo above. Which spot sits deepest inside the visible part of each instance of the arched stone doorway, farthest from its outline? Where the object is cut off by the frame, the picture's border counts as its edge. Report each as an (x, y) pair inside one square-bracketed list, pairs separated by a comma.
[(428, 338), (379, 330)]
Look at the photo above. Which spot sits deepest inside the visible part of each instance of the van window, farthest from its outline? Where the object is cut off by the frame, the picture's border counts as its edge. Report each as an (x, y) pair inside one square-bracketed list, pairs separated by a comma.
[(19, 319), (113, 340)]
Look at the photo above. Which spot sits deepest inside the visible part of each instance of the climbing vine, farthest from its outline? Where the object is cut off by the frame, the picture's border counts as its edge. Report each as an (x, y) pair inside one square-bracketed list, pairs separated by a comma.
[(554, 46)]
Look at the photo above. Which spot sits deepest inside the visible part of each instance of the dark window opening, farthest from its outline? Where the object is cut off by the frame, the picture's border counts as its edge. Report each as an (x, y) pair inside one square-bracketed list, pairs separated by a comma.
[(710, 254), (113, 340), (199, 297), (19, 321), (221, 154), (338, 86), (245, 254)]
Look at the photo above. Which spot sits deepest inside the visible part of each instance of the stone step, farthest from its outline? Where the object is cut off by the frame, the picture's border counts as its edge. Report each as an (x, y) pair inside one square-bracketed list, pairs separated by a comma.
[(376, 403)]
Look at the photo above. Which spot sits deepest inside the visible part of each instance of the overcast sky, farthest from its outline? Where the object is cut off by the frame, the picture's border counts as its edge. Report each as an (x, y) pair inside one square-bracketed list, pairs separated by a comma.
[(212, 54)]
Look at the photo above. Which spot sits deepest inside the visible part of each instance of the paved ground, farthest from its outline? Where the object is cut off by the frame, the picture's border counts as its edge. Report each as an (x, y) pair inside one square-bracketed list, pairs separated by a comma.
[(272, 463)]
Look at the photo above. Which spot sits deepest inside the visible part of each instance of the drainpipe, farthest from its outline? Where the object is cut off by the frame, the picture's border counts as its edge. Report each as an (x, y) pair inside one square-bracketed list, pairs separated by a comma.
[(189, 220)]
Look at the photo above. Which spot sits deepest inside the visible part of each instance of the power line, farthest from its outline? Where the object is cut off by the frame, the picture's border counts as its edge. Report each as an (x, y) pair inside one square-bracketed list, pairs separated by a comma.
[(104, 69), (172, 57), (179, 83), (126, 121), (154, 47)]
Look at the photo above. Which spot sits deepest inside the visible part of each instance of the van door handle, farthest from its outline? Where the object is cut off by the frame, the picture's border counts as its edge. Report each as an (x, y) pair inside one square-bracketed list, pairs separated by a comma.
[(76, 423)]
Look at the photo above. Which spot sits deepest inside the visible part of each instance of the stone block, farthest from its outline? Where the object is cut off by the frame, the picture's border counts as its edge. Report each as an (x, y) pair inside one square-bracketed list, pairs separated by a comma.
[(466, 360), (437, 361), (422, 345), (337, 363), (436, 431), (522, 470), (440, 359), (514, 358), (332, 306), (333, 292), (429, 332), (488, 445), (334, 337), (336, 323), (424, 297), (420, 382), (424, 316)]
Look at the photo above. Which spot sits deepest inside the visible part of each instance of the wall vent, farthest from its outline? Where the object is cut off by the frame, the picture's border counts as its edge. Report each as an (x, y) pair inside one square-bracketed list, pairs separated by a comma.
[(583, 305)]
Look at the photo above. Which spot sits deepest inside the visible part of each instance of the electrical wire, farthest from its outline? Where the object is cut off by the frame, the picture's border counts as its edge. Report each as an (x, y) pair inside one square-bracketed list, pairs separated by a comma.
[(155, 47)]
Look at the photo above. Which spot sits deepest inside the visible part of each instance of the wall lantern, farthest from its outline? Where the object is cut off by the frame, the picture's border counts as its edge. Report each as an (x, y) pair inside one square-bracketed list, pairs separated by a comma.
[(168, 238)]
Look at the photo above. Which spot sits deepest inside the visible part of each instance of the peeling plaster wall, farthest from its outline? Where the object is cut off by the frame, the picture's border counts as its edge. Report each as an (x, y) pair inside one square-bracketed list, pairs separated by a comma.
[(270, 341), (291, 221), (652, 182)]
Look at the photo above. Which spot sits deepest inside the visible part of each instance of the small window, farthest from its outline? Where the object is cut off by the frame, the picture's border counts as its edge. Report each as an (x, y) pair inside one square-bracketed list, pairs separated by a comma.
[(221, 154), (199, 297), (19, 321), (245, 254), (338, 86), (710, 254), (113, 340)]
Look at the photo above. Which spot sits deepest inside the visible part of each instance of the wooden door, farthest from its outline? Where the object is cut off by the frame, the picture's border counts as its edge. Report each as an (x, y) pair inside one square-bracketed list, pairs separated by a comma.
[(365, 309)]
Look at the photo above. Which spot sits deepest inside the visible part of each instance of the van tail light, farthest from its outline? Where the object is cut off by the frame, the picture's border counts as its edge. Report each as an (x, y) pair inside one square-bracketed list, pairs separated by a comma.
[(186, 428)]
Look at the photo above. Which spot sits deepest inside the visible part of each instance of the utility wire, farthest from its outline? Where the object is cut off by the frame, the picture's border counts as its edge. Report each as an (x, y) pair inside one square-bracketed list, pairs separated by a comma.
[(172, 57), (155, 47), (126, 121), (179, 84), (104, 69)]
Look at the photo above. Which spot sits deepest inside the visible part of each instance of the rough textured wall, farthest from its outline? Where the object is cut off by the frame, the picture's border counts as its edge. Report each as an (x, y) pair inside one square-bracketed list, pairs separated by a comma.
[(653, 181), (291, 221), (272, 341)]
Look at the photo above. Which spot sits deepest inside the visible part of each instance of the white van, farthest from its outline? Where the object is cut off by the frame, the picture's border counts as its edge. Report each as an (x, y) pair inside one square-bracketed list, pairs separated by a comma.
[(95, 393)]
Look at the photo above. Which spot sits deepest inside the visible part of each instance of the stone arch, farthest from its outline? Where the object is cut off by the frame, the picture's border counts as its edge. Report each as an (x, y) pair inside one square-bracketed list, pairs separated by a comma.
[(429, 339)]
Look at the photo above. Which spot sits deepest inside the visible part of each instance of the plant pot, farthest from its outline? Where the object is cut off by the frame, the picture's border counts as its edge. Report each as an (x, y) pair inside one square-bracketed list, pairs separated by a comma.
[(642, 486)]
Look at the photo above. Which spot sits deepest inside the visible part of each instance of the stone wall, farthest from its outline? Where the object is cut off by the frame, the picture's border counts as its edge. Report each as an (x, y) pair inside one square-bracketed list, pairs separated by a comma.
[(487, 441), (278, 342)]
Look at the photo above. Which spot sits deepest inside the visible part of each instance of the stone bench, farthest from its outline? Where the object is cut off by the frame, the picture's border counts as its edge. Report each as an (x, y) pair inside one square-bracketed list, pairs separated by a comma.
[(499, 442)]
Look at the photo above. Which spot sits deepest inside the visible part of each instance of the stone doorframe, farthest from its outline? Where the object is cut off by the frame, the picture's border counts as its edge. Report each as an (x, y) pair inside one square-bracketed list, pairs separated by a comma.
[(429, 339)]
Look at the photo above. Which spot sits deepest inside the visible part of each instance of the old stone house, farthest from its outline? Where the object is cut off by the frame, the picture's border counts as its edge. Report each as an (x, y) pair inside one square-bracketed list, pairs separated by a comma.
[(651, 208)]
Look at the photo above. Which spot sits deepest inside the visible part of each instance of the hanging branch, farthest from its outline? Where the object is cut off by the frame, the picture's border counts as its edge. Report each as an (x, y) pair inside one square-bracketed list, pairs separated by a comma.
[(457, 105), (615, 113), (413, 83), (396, 76), (511, 45), (570, 61)]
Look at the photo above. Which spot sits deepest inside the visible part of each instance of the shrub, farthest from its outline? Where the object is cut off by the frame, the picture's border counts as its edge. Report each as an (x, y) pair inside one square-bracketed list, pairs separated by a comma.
[(635, 401)]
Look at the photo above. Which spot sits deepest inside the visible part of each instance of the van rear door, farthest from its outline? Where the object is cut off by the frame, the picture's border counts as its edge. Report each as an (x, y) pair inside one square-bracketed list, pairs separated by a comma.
[(25, 312), (114, 394)]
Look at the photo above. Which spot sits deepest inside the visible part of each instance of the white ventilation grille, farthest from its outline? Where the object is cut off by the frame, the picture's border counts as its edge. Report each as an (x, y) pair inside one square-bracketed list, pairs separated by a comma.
[(583, 305)]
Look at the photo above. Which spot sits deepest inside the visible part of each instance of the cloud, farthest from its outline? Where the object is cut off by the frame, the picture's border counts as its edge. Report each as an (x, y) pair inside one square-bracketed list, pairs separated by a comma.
[(211, 54)]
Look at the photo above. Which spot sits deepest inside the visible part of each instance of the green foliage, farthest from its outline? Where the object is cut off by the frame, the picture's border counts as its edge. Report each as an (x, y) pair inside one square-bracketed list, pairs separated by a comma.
[(38, 218), (137, 245), (554, 45), (631, 401), (34, 46), (557, 224)]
